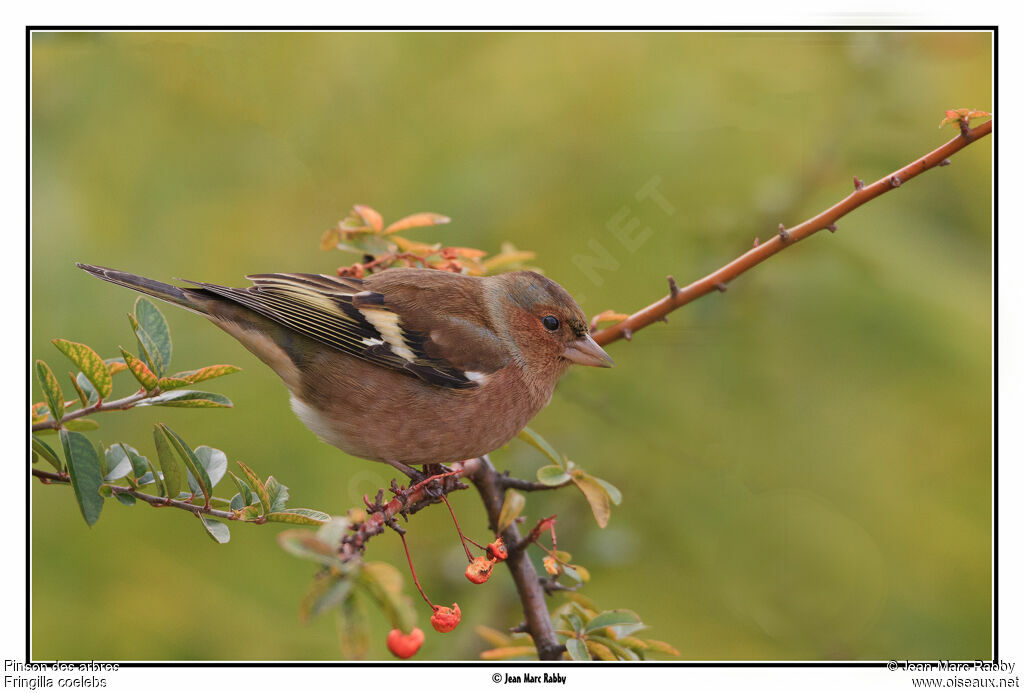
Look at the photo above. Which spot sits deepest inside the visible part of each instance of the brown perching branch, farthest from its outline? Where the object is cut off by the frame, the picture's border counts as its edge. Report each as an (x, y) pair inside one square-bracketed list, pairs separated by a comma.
[(785, 237)]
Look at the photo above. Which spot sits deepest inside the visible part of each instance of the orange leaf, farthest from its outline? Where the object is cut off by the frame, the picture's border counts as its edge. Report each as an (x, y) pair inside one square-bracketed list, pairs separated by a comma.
[(369, 215), (963, 114), (471, 253), (414, 220)]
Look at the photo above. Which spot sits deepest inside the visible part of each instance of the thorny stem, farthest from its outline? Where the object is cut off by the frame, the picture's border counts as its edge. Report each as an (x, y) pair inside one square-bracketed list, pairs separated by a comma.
[(717, 280)]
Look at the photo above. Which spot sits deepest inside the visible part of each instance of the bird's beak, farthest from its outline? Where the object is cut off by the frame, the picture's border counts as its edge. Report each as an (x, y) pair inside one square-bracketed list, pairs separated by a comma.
[(586, 352)]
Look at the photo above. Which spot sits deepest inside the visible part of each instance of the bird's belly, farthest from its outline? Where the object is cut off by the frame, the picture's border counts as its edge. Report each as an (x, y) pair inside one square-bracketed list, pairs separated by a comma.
[(398, 429)]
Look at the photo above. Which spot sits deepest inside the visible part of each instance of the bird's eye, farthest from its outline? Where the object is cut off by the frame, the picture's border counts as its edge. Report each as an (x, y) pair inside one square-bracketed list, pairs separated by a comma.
[(550, 322)]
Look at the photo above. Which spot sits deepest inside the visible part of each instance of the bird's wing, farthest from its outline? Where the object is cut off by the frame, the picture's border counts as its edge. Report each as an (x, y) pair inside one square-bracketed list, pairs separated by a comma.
[(339, 312)]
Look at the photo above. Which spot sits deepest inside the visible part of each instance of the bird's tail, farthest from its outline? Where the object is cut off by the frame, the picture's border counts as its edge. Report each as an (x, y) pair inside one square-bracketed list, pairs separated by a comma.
[(151, 287)]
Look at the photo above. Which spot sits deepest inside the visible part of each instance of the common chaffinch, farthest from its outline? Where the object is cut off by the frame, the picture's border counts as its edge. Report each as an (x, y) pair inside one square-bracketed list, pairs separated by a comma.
[(407, 366)]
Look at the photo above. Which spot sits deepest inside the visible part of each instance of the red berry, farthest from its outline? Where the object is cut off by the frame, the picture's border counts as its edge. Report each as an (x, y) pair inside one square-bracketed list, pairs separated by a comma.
[(497, 550), (445, 619), (404, 645), (479, 570)]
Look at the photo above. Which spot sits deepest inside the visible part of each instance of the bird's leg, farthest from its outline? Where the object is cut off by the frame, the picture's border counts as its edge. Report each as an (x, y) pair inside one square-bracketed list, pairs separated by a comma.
[(415, 476)]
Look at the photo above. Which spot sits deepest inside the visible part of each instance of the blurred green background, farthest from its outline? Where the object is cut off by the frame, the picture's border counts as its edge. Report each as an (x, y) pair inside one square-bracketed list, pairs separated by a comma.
[(805, 459)]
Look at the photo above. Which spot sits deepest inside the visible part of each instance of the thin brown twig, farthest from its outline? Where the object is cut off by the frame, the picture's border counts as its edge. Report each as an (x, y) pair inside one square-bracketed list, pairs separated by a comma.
[(155, 501), (717, 280), (99, 406)]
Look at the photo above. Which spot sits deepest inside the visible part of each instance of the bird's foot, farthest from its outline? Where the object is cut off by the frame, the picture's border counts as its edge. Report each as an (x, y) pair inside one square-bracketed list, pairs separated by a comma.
[(415, 476)]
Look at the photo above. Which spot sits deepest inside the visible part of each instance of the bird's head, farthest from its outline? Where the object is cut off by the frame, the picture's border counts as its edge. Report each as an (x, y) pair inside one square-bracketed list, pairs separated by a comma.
[(547, 324)]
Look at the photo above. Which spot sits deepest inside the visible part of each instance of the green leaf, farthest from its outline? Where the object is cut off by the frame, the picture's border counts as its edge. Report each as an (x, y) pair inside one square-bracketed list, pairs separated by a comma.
[(596, 495), (51, 390), (299, 516), (531, 437), (353, 623), (87, 388), (191, 462), (47, 453), (140, 463), (619, 651), (552, 475), (243, 489), (90, 363), (217, 530), (613, 493), (81, 425), (305, 544), (327, 591), (147, 378), (187, 398), (214, 462), (82, 396), (333, 531), (86, 476), (577, 650), (383, 582), (278, 495), (123, 498), (156, 478), (257, 486), (612, 618), (173, 477), (510, 509), (250, 513), (118, 462), (154, 326), (574, 622)]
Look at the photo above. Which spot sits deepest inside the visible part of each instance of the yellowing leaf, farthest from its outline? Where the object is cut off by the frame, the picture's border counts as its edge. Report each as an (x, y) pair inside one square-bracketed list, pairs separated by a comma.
[(596, 495), (508, 256), (493, 637), (140, 370), (51, 389), (600, 651), (330, 239), (510, 509), (416, 220), (509, 652), (115, 366), (663, 647), (207, 372), (89, 362)]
